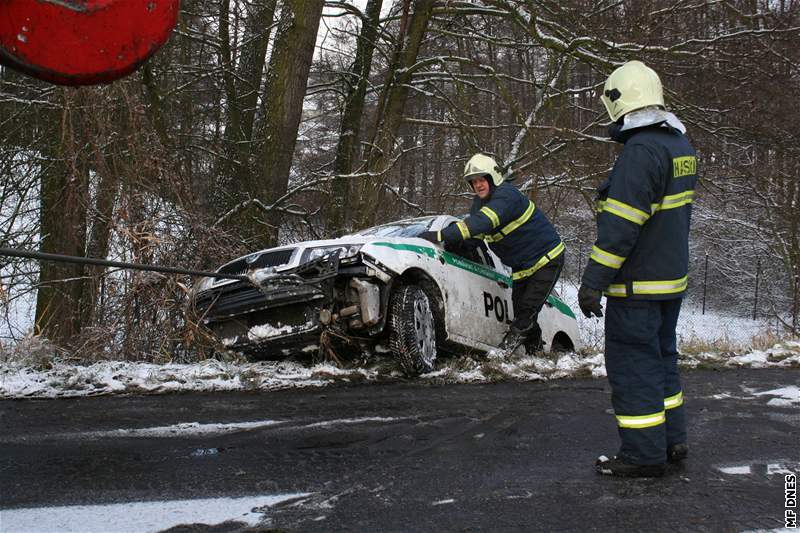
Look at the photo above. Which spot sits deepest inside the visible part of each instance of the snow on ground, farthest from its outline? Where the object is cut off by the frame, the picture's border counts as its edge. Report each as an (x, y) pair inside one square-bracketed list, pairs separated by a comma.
[(142, 516), (28, 371), (109, 377), (694, 326), (784, 397), (196, 429), (69, 380)]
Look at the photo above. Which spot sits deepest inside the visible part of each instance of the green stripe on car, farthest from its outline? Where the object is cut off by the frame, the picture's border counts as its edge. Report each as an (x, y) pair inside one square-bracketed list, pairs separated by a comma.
[(424, 250), (475, 268), (561, 306), (471, 266), (450, 259)]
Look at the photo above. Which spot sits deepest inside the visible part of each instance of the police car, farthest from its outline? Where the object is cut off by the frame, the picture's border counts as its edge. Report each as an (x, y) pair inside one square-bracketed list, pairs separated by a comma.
[(380, 287)]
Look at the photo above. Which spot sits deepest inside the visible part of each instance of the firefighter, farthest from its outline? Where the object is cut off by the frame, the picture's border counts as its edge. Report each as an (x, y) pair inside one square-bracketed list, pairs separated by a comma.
[(521, 236), (640, 261)]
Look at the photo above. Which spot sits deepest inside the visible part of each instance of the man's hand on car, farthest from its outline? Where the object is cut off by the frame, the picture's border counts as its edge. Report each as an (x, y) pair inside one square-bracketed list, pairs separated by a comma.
[(431, 236), (589, 301)]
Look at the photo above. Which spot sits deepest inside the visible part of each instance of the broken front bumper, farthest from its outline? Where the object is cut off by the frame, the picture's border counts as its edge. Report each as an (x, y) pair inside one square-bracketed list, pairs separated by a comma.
[(273, 315)]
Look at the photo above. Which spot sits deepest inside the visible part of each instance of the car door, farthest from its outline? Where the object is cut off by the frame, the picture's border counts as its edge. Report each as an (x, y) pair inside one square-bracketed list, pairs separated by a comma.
[(478, 297)]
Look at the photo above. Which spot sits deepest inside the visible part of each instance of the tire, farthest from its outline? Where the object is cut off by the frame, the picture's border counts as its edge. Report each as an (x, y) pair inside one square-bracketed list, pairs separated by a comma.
[(412, 330)]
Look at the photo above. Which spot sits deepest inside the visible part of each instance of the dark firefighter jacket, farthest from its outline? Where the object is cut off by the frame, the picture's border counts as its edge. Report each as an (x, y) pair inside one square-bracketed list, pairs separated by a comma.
[(644, 210), (520, 235)]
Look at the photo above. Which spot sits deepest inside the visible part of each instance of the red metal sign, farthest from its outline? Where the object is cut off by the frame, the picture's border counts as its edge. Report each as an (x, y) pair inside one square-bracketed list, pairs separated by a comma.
[(81, 42)]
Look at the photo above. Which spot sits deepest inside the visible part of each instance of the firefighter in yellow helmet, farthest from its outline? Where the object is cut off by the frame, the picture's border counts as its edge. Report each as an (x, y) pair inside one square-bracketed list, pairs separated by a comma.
[(640, 261), (521, 236)]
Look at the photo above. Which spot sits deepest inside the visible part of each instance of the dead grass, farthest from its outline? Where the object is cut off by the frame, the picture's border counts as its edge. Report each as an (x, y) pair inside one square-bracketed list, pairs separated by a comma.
[(32, 351), (767, 340), (724, 345), (696, 346)]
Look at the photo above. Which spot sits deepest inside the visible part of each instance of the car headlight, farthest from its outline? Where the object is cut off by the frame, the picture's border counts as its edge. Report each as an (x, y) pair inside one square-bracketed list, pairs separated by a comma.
[(202, 285), (345, 251)]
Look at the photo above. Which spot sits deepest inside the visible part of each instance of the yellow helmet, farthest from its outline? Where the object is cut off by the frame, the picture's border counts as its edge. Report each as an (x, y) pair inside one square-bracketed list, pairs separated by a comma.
[(482, 165), (632, 86)]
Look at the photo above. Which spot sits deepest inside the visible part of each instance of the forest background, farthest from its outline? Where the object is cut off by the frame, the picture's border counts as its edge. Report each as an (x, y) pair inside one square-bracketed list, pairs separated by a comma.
[(264, 122)]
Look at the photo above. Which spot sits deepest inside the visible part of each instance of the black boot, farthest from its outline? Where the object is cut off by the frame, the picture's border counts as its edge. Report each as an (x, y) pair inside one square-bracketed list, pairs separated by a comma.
[(677, 452), (512, 340), (534, 345), (617, 467)]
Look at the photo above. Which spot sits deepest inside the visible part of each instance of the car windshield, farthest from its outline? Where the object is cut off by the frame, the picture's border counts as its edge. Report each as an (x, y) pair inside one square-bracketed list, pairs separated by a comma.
[(410, 228)]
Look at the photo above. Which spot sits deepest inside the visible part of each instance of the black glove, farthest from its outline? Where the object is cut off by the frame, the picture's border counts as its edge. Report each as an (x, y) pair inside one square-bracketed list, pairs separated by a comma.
[(431, 236), (589, 301)]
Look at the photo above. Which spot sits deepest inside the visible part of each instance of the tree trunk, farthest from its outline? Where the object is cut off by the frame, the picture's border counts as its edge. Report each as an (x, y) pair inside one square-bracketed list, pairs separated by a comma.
[(98, 239), (390, 112), (350, 128), (285, 90), (242, 86), (63, 228)]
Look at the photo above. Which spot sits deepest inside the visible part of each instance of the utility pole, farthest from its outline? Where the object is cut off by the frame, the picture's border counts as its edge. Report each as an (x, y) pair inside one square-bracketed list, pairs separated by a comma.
[(794, 304), (705, 284), (758, 276)]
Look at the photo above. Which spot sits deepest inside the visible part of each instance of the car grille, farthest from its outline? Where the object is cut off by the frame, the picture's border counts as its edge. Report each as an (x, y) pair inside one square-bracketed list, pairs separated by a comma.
[(240, 298), (264, 260), (235, 299)]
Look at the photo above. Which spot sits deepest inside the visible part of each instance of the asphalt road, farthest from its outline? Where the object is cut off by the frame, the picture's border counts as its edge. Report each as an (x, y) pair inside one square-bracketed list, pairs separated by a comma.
[(410, 457)]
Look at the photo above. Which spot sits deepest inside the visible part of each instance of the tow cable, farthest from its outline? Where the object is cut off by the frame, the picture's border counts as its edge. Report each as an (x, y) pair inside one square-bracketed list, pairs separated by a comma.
[(61, 258)]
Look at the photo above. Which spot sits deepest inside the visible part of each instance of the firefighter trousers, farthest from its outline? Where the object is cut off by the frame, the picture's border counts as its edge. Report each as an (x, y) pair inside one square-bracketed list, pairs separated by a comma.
[(642, 365), (528, 295)]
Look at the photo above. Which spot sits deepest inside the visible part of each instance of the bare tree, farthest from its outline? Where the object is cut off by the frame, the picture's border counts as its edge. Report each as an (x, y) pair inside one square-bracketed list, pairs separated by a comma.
[(285, 91), (234, 135), (391, 104), (350, 129)]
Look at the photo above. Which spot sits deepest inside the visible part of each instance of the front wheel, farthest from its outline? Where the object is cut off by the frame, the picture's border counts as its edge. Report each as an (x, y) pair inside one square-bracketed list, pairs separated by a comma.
[(412, 330)]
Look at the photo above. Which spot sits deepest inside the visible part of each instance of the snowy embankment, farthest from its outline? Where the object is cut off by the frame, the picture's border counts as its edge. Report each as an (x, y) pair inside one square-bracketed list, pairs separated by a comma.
[(69, 380), (695, 326)]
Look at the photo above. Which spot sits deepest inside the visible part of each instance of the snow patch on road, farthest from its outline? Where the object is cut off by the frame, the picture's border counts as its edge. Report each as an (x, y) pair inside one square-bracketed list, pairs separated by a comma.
[(63, 380), (778, 469), (785, 397), (186, 429), (735, 470), (760, 468), (141, 516), (196, 429), (350, 421)]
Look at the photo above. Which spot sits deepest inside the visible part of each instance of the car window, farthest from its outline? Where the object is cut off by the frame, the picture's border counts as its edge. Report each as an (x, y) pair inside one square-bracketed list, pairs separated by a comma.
[(397, 229), (474, 250)]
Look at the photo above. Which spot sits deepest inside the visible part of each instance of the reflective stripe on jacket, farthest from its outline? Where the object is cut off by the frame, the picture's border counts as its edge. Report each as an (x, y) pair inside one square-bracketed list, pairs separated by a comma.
[(644, 211), (519, 233)]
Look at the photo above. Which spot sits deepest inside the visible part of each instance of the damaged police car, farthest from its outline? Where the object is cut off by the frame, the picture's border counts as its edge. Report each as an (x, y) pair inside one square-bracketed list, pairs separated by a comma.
[(382, 286)]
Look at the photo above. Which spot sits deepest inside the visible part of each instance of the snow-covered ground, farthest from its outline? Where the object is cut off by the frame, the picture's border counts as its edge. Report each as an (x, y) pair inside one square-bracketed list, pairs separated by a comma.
[(18, 380), (143, 516), (708, 340), (694, 326)]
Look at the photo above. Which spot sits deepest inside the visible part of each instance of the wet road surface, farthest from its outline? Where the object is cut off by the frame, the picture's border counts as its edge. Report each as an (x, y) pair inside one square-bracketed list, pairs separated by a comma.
[(402, 456)]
